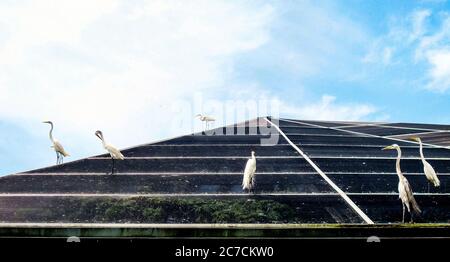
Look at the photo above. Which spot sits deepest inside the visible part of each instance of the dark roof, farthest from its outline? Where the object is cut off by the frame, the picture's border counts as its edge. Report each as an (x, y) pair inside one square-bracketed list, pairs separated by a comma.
[(197, 178)]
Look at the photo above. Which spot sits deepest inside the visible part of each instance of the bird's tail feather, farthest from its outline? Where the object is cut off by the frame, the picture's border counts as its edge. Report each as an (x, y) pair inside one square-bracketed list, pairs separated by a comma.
[(415, 206), (436, 182), (246, 183)]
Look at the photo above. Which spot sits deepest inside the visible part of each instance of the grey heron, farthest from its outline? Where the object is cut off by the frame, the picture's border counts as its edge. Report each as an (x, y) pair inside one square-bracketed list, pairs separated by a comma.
[(59, 149), (205, 119), (430, 174), (404, 189), (113, 152), (248, 182)]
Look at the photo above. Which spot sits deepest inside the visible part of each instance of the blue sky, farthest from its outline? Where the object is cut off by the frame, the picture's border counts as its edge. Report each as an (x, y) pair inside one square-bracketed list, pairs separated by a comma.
[(134, 69)]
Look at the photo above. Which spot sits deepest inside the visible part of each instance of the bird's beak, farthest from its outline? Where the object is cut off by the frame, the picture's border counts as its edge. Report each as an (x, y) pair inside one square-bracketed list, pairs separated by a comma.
[(387, 148), (414, 138), (97, 134)]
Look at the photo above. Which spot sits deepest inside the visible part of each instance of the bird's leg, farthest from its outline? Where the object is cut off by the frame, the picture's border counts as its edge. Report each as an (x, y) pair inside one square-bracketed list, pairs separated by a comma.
[(112, 166), (57, 158), (428, 187), (403, 219)]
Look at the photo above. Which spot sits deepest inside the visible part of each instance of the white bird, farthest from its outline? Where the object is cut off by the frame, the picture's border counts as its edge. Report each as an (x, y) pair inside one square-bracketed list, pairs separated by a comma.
[(205, 119), (427, 168), (404, 189), (114, 152), (248, 183), (59, 149)]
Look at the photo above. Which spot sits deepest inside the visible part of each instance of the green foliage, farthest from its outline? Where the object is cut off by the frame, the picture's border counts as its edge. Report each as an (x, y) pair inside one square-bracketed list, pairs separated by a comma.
[(171, 210), (154, 214)]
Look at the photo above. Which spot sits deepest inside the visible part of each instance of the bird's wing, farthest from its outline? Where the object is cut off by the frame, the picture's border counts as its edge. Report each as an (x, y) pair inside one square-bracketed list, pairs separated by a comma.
[(410, 196), (250, 167), (249, 171), (59, 148), (431, 174), (208, 118), (114, 152)]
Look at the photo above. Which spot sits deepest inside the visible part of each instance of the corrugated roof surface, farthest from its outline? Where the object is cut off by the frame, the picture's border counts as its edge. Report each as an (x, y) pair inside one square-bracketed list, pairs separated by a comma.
[(197, 178)]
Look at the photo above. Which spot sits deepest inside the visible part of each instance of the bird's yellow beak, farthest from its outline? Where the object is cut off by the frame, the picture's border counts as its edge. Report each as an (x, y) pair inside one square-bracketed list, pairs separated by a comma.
[(387, 148), (414, 138)]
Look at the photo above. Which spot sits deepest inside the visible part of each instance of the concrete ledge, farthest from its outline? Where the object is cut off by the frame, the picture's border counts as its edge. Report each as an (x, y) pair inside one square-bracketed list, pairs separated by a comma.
[(224, 230)]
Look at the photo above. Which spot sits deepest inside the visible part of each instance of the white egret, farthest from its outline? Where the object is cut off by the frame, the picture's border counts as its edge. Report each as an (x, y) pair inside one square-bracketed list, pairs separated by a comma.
[(427, 168), (248, 183), (205, 119), (59, 149), (404, 189), (114, 152)]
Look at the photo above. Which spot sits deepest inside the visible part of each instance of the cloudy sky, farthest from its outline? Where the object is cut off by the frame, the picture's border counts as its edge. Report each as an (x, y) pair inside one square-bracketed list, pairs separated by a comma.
[(140, 70)]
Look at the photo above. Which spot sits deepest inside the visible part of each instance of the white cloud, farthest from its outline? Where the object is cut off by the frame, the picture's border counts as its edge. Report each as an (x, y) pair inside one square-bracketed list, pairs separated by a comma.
[(118, 65), (315, 37), (131, 68), (422, 43), (39, 22), (378, 54), (418, 21), (440, 70), (435, 39), (402, 33), (328, 109), (434, 49)]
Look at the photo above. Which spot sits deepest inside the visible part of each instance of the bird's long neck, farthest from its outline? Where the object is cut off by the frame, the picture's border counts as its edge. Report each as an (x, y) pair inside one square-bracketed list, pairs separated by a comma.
[(397, 164), (50, 134), (103, 140), (421, 150)]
